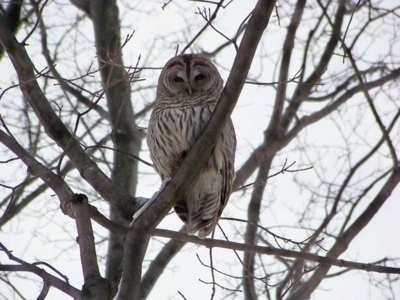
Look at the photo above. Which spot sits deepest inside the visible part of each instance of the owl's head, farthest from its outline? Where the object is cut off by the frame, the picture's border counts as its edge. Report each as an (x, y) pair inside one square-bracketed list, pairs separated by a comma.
[(189, 76)]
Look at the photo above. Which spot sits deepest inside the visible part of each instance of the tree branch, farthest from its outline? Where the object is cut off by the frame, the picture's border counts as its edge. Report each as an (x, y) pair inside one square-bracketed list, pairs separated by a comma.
[(56, 183), (265, 151), (342, 243), (94, 285), (323, 261), (126, 136), (32, 268), (288, 47), (371, 104), (303, 90), (253, 215), (159, 263), (55, 128)]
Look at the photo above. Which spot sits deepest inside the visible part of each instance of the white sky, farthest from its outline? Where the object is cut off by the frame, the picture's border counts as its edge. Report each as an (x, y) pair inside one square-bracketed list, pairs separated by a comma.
[(28, 237)]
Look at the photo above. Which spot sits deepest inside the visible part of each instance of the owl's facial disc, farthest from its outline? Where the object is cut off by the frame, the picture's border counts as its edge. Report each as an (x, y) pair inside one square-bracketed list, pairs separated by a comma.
[(195, 85), (189, 78)]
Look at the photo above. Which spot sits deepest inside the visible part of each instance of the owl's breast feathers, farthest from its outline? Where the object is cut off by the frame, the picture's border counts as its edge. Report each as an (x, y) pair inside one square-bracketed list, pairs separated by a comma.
[(173, 132)]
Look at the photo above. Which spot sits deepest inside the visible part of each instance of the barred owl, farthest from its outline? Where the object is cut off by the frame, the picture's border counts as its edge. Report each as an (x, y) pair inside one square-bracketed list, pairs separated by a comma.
[(188, 90)]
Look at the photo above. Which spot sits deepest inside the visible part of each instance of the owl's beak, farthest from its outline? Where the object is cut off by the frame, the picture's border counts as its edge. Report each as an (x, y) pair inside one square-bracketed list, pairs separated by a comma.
[(190, 91)]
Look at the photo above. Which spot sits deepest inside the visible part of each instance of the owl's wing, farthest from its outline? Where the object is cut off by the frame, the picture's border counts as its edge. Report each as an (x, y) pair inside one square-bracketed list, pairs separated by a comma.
[(207, 217), (228, 168)]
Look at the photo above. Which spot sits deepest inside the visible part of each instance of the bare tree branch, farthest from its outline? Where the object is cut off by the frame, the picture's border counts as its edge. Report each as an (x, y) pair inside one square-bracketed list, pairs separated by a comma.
[(253, 215), (126, 136), (288, 45), (94, 285), (264, 151), (55, 128), (159, 263), (305, 290), (56, 183), (323, 261), (23, 266)]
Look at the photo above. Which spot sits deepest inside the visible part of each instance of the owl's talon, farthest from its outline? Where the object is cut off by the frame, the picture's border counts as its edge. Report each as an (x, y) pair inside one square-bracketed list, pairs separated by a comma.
[(141, 209), (163, 184), (145, 202), (141, 200)]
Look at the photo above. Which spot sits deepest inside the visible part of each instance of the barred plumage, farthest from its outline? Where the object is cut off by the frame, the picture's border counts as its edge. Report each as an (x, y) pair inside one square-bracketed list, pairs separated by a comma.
[(188, 89)]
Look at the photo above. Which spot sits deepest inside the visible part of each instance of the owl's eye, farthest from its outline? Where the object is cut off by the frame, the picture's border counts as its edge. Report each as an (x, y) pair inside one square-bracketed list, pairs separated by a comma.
[(199, 77), (178, 79)]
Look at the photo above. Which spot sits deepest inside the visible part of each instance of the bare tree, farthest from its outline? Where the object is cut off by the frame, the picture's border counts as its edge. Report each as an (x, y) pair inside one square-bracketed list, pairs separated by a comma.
[(317, 161)]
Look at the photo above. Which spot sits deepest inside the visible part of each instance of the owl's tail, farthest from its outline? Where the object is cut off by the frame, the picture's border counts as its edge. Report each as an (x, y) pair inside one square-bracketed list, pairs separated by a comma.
[(200, 219)]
